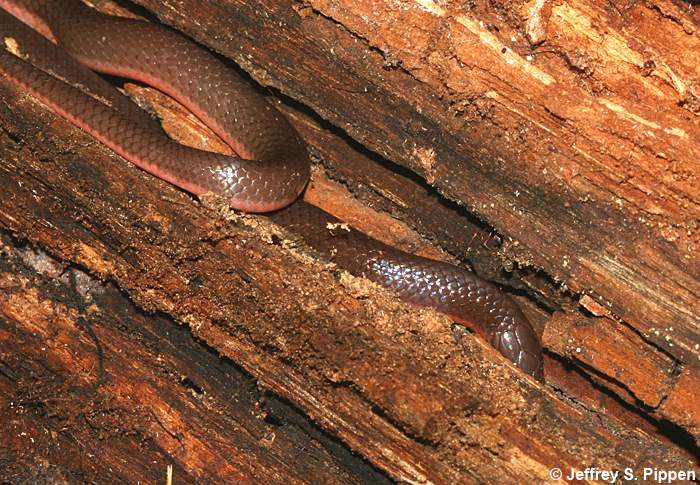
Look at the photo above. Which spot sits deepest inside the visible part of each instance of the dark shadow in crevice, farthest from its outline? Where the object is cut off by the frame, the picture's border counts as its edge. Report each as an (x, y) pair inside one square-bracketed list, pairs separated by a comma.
[(281, 412), (399, 170), (225, 379), (668, 430)]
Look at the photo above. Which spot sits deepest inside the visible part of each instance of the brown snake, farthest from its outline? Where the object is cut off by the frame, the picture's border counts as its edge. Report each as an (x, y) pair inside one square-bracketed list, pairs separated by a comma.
[(270, 170)]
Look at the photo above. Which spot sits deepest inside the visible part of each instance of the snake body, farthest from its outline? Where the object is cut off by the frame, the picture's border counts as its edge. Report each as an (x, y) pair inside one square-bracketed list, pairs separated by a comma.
[(271, 168)]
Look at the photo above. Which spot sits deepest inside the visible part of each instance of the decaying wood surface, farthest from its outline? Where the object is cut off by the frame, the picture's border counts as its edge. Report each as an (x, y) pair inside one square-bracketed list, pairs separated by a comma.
[(393, 383), (95, 391), (583, 162), (572, 128)]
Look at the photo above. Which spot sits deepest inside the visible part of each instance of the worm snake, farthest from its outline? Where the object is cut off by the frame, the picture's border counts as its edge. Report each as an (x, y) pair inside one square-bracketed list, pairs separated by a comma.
[(270, 170)]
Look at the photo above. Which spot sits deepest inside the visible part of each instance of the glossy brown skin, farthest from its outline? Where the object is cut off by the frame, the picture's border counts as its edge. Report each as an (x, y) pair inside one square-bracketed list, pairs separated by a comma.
[(273, 167), (459, 293)]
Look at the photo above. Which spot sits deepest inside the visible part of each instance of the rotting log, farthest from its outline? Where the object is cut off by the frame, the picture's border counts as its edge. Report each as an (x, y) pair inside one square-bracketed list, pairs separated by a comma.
[(95, 391), (322, 344), (571, 128), (392, 382), (579, 145)]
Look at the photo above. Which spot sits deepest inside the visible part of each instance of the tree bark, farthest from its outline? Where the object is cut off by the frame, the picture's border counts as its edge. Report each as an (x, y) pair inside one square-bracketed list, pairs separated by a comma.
[(96, 391), (572, 129), (552, 141)]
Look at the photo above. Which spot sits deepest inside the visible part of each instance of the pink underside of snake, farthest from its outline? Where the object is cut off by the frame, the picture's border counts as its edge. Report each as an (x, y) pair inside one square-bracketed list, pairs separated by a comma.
[(272, 169)]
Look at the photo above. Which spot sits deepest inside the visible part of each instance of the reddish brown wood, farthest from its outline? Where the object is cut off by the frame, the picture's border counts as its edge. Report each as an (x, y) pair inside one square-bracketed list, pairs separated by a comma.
[(161, 398), (571, 128), (390, 382)]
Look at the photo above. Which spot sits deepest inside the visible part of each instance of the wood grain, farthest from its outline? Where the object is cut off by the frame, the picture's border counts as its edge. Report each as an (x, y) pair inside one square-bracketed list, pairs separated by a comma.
[(394, 384)]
